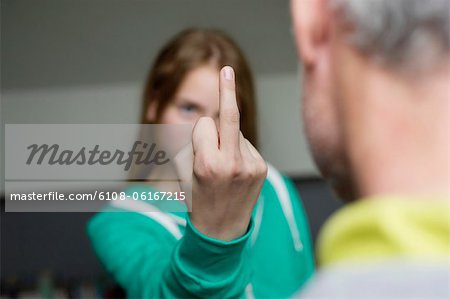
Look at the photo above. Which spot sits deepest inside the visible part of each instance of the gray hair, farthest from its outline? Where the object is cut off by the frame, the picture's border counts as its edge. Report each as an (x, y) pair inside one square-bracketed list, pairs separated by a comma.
[(402, 34)]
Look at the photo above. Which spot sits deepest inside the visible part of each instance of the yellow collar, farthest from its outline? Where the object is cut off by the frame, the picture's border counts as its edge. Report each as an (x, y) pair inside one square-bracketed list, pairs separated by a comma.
[(377, 228)]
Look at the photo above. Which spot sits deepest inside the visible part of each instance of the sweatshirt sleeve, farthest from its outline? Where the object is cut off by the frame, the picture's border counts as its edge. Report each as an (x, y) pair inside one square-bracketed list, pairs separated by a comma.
[(149, 262)]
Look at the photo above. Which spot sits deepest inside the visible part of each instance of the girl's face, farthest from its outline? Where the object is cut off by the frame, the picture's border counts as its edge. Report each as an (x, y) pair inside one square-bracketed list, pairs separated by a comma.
[(198, 96)]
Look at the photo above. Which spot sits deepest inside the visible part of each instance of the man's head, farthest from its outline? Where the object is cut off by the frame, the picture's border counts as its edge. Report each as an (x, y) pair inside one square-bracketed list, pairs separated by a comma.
[(376, 93)]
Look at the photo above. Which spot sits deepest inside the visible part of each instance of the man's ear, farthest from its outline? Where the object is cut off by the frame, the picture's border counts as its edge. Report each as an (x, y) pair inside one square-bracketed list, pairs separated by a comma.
[(151, 111), (310, 19)]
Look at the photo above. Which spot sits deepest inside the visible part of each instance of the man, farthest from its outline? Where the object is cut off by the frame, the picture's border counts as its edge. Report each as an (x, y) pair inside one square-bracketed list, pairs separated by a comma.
[(376, 108)]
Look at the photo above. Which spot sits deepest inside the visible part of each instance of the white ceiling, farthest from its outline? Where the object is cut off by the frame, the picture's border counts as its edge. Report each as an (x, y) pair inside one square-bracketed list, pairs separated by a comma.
[(77, 42)]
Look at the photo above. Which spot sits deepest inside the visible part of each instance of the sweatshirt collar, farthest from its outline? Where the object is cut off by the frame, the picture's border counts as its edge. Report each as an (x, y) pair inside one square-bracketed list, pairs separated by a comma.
[(379, 228)]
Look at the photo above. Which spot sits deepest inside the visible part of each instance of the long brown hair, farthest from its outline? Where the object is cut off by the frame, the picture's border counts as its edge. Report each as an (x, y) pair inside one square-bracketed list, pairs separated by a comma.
[(193, 48)]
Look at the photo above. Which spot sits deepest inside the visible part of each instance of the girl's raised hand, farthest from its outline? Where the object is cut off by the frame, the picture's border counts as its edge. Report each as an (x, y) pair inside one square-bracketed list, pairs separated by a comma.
[(227, 171)]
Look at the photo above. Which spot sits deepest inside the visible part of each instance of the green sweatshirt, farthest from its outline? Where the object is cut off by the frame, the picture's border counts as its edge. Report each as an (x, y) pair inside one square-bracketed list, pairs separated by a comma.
[(162, 255)]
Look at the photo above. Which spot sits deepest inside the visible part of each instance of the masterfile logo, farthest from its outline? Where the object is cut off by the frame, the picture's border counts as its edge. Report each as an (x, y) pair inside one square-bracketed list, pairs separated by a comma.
[(52, 155), (87, 163)]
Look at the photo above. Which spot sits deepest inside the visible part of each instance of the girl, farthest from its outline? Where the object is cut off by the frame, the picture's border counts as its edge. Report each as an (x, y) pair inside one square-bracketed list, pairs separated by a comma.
[(162, 254)]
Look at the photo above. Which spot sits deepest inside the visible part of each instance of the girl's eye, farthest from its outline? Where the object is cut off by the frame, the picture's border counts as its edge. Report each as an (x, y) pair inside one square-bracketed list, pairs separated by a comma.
[(187, 108)]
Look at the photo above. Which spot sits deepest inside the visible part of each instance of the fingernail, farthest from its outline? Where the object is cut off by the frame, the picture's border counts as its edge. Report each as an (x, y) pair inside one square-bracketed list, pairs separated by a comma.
[(228, 73)]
